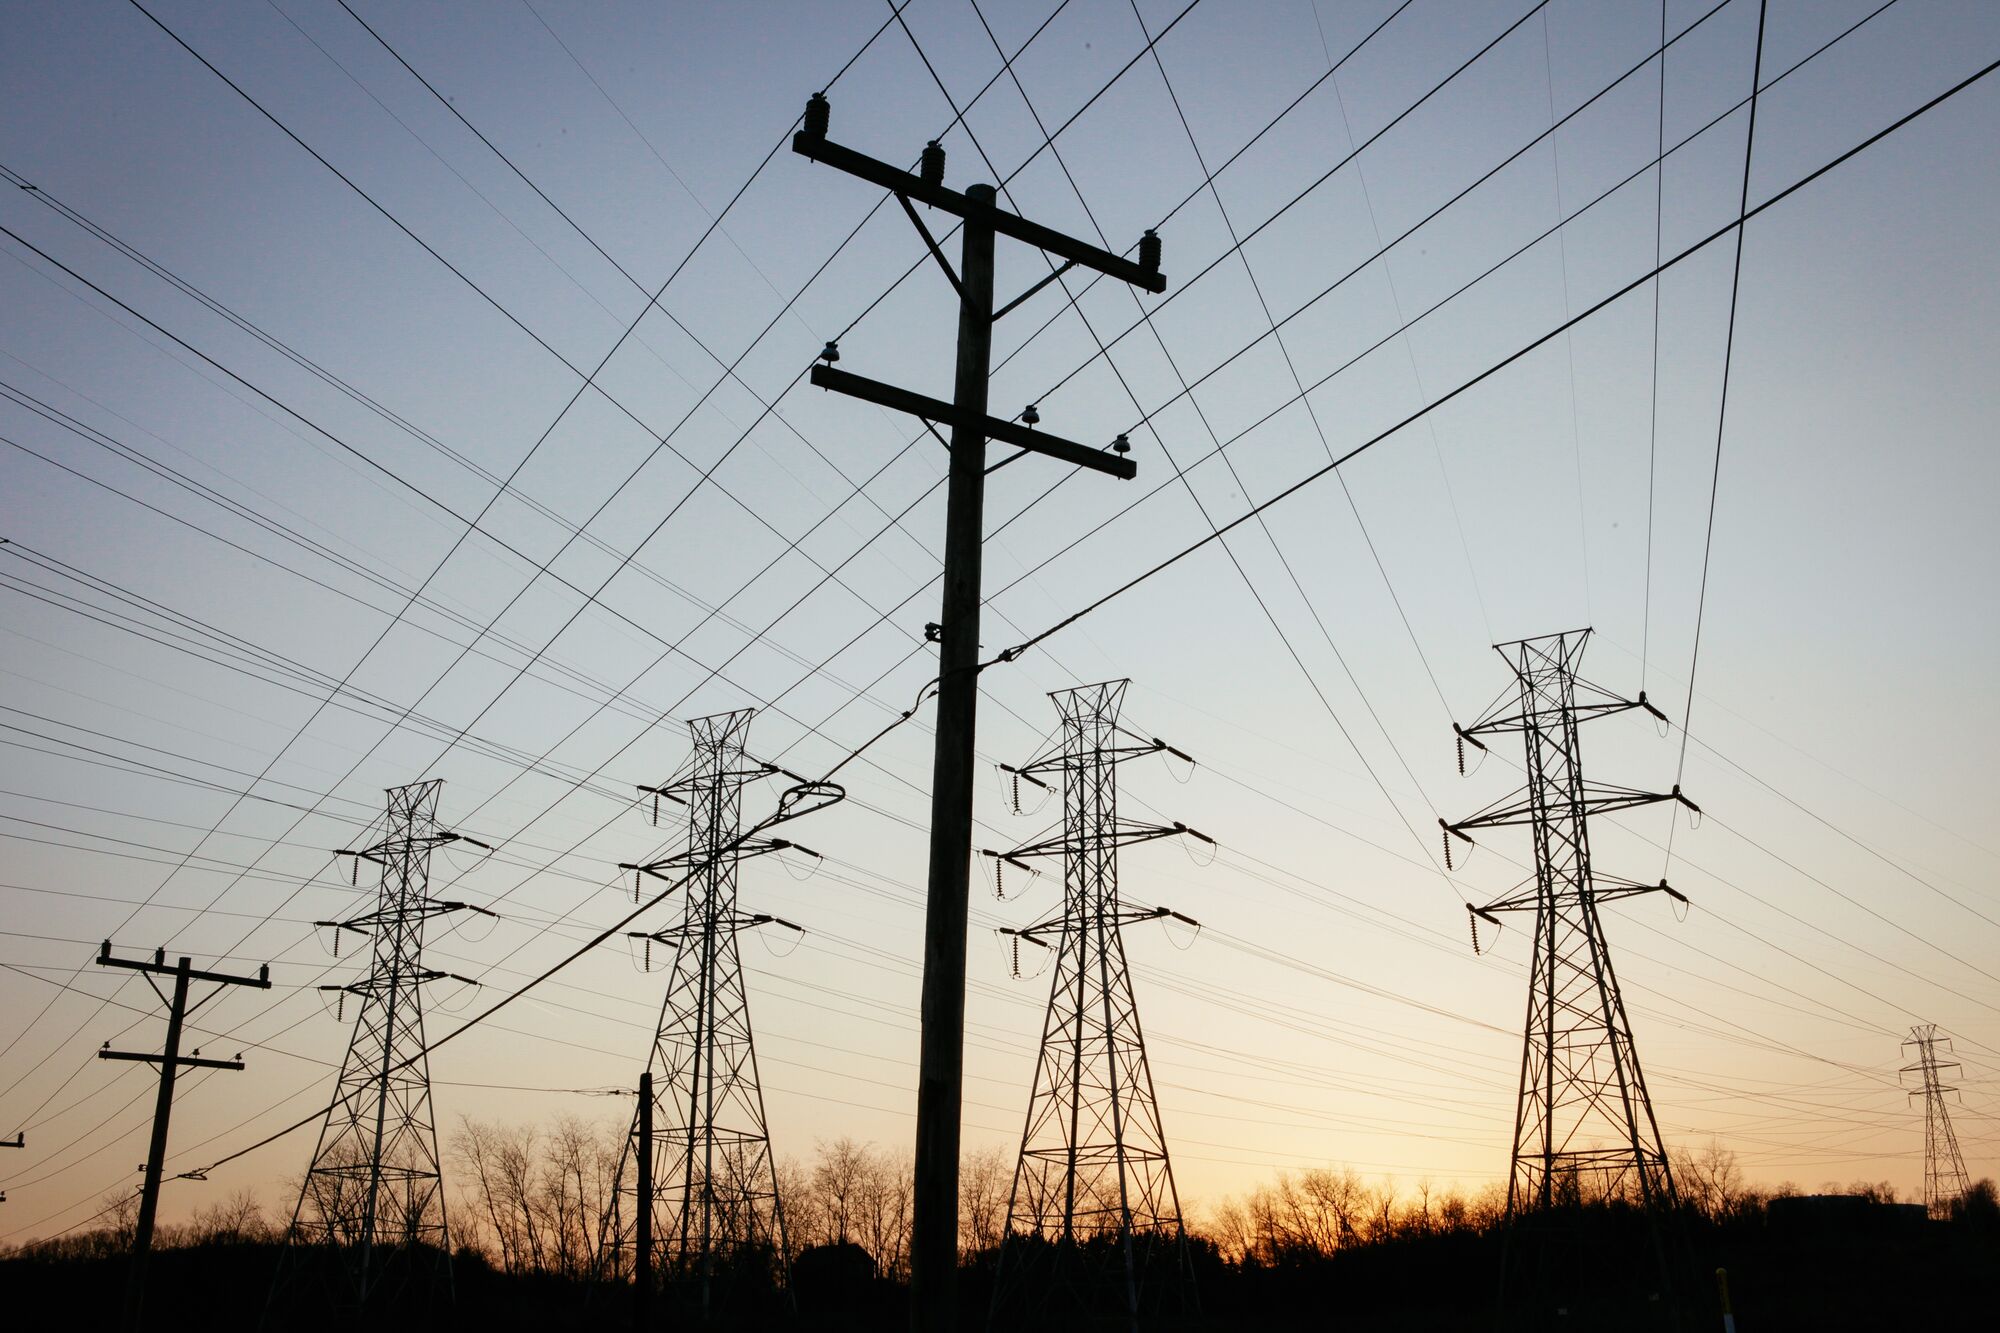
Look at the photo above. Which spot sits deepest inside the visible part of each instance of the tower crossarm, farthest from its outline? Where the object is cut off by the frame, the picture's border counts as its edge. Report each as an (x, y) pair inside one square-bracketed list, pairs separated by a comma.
[(368, 986), (1516, 723), (1057, 758), (1522, 808), (724, 923), (680, 789), (696, 859), (1604, 889), (1052, 765), (423, 909), (1053, 927), (1126, 834), (384, 852)]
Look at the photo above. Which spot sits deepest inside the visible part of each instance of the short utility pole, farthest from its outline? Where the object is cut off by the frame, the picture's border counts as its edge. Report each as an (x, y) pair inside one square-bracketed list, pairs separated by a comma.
[(642, 1251), (171, 1062), (940, 1076)]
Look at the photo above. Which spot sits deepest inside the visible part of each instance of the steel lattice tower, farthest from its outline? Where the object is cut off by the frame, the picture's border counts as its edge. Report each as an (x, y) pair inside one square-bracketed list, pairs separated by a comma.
[(1944, 1166), (1093, 1216), (715, 1214), (374, 1189), (1584, 1126)]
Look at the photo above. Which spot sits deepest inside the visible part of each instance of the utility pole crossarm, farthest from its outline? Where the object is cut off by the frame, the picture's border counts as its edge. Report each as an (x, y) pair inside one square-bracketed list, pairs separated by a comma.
[(157, 964), (821, 149), (184, 1061), (994, 428)]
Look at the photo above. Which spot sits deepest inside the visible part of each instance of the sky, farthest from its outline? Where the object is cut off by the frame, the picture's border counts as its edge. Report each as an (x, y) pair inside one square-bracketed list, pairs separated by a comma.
[(302, 401)]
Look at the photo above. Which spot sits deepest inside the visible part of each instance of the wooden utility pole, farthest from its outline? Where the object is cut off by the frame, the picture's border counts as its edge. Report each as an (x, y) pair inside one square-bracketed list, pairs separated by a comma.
[(642, 1257), (940, 1076), (171, 1062)]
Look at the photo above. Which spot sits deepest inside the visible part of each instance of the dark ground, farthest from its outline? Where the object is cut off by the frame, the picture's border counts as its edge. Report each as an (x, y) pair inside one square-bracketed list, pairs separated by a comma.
[(1803, 1270)]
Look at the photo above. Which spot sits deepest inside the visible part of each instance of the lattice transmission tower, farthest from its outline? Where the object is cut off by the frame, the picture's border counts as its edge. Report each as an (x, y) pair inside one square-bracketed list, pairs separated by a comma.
[(1945, 1180), (697, 1205), (373, 1193), (1093, 1218), (1584, 1128)]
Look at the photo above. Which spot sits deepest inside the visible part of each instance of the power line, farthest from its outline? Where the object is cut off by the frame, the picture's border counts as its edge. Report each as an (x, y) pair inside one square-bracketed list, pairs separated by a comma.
[(1725, 230), (1722, 399)]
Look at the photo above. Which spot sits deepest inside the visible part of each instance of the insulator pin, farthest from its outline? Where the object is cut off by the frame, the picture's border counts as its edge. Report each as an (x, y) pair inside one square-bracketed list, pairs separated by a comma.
[(818, 112), (1149, 251), (930, 168)]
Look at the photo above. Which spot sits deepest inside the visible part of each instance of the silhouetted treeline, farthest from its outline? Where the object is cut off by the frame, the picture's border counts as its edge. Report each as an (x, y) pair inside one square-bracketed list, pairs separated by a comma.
[(1315, 1249)]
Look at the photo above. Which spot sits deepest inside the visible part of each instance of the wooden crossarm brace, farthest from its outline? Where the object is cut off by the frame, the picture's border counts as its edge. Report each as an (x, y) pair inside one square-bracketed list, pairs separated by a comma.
[(821, 149), (1007, 432), (184, 1061)]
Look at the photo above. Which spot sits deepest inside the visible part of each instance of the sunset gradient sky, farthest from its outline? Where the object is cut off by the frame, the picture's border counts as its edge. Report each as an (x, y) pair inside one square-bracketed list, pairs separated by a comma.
[(166, 648)]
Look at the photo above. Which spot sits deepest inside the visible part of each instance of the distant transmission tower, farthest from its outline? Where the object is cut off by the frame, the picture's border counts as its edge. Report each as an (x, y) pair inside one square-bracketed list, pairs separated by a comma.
[(697, 1193), (1093, 1220), (1584, 1128), (374, 1190), (1944, 1167)]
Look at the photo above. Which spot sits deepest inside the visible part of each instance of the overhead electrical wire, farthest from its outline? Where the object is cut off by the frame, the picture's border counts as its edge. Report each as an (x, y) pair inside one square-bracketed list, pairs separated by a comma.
[(1722, 401), (1179, 473), (1747, 215), (1317, 474), (240, 380)]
